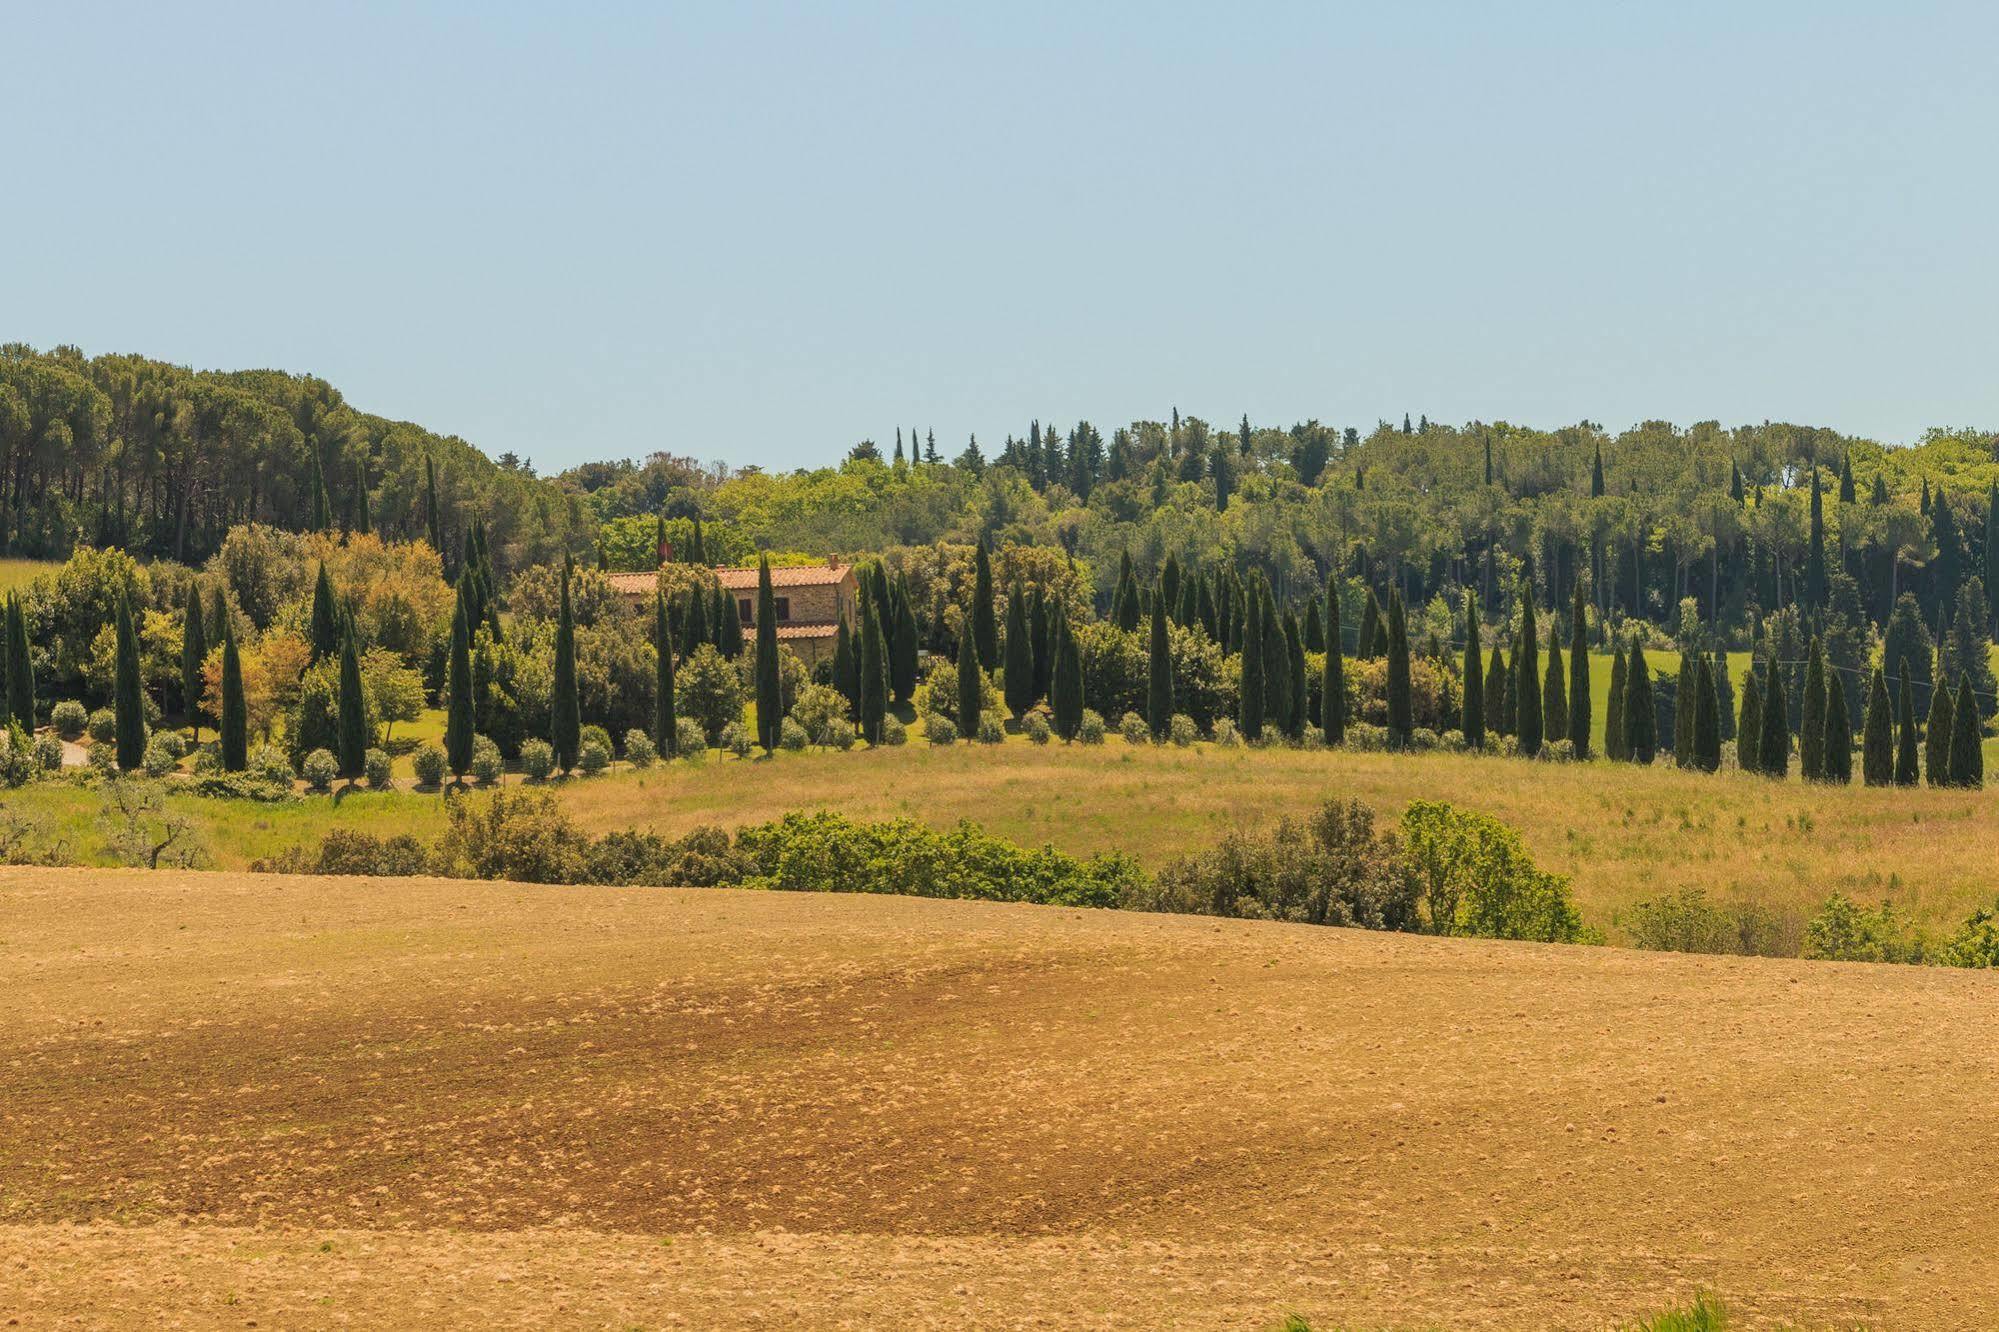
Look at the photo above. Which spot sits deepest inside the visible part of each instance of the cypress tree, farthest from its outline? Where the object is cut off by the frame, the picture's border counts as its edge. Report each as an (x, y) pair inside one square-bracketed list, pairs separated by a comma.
[(1473, 719), (1333, 688), (6, 656), (1749, 735), (1640, 724), (729, 624), (1992, 550), (770, 703), (1066, 686), (193, 656), (1400, 709), (1967, 756), (1495, 692), (1613, 721), (234, 721), (459, 723), (433, 521), (1554, 702), (665, 727), (1936, 734), (902, 652), (1905, 745), (697, 552), (565, 708), (1019, 677), (1579, 699), (1189, 611), (1724, 693), (985, 623), (874, 676), (1315, 630), (363, 523), (1815, 560), (1686, 705), (1773, 752), (128, 694), (1527, 728), (1250, 703), (1301, 689), (1707, 719), (319, 512), (1837, 761), (968, 685), (1370, 629), (847, 667), (1124, 597), (1039, 623), (325, 640), (353, 715), (1159, 674), (1168, 586), (20, 667), (1811, 729), (1877, 745), (1276, 666)]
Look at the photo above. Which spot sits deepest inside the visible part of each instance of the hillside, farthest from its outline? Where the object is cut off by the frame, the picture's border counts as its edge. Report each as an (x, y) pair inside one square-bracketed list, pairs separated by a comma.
[(301, 1102)]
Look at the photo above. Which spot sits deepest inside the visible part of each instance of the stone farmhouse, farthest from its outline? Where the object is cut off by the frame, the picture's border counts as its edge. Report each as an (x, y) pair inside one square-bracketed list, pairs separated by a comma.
[(811, 599)]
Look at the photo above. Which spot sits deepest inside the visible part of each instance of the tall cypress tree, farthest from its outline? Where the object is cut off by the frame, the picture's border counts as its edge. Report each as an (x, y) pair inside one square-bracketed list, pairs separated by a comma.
[(193, 657), (1276, 666), (1527, 678), (1936, 729), (325, 640), (1065, 687), (1473, 707), (1370, 629), (1250, 703), (128, 694), (665, 726), (1301, 690), (1811, 729), (233, 723), (985, 624), (353, 716), (459, 720), (1579, 699), (1749, 735), (1042, 641), (1773, 753), (1877, 745), (433, 519), (969, 701), (1967, 756), (565, 707), (1815, 562), (1019, 678), (363, 522), (1333, 687), (1724, 693), (1315, 630), (874, 676), (1495, 692), (319, 511), (20, 667), (728, 618), (1159, 674), (1686, 705), (1554, 701), (847, 667), (1124, 597), (1707, 719), (770, 702), (1401, 711), (1837, 760), (902, 652), (1641, 724), (1613, 720), (1905, 739)]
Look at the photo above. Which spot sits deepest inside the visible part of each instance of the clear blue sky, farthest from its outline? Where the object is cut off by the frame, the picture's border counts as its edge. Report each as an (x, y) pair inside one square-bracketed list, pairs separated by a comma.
[(760, 233)]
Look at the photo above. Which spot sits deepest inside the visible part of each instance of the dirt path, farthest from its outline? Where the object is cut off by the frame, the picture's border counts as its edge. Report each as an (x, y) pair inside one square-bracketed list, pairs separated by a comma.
[(225, 1097)]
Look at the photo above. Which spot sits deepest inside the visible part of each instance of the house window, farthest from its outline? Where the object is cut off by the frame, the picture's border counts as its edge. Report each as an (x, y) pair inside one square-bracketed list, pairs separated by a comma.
[(783, 609), (748, 609)]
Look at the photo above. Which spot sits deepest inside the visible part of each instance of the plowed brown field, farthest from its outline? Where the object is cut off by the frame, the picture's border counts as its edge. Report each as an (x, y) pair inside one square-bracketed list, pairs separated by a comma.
[(233, 1100)]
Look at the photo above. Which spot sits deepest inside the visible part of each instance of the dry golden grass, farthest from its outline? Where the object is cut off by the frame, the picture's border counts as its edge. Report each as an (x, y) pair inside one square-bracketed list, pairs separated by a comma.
[(231, 1099)]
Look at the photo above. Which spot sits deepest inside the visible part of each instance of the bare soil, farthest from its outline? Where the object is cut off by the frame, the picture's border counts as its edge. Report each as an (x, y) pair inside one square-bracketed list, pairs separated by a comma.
[(229, 1100)]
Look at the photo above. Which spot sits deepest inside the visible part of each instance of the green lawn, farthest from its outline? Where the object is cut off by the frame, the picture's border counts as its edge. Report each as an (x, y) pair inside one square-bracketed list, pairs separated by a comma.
[(16, 574)]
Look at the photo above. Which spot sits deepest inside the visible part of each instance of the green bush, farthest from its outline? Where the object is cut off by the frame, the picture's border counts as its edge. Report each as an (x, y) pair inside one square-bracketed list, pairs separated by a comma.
[(593, 758), (103, 726), (1334, 870), (894, 732), (347, 851), (319, 770), (1976, 943), (271, 764), (487, 765), (1090, 727), (430, 765), (792, 736), (1477, 879), (378, 769), (17, 757), (160, 758), (48, 753), (639, 750), (1134, 730), (522, 836), (1691, 922), (592, 734), (1845, 931), (940, 730), (690, 741), (1181, 730), (843, 735), (736, 739), (1226, 735), (1036, 728), (1705, 1314), (704, 858), (991, 732), (69, 718), (537, 759)]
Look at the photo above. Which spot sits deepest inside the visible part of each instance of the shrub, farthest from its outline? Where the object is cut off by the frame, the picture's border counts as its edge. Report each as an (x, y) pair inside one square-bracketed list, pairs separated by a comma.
[(1181, 730), (103, 758), (48, 753), (537, 759), (347, 851), (69, 719), (1134, 730), (894, 732), (991, 732), (708, 692), (173, 742), (1090, 730), (319, 770), (430, 765), (1845, 931), (1692, 922), (790, 735), (819, 711), (736, 739), (1477, 879), (939, 729), (1421, 740), (487, 765), (1311, 738), (17, 757), (501, 835), (1366, 739), (689, 740), (704, 858), (1334, 870), (1976, 943), (639, 750), (843, 735), (103, 725), (1558, 751), (592, 734), (593, 758), (1226, 735), (380, 772), (160, 758), (270, 764), (1036, 728)]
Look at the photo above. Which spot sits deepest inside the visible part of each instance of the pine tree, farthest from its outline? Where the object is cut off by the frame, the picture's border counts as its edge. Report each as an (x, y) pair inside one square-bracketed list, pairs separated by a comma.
[(665, 727), (1401, 711), (1749, 735), (1837, 760), (1613, 721), (565, 706), (1554, 699), (1936, 733), (128, 694), (1527, 678), (459, 722), (234, 720), (1495, 692), (1159, 674), (770, 702), (1473, 719), (1811, 730), (193, 657), (874, 676), (363, 523), (325, 640), (1707, 719), (1333, 687), (1301, 689), (1773, 751), (1579, 699), (1877, 745), (1250, 703), (1019, 667), (1641, 725), (1370, 629), (1905, 745), (353, 728), (969, 680), (1596, 474), (1967, 757)]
